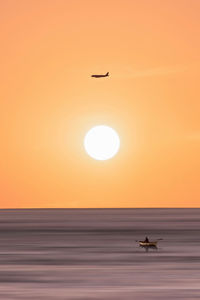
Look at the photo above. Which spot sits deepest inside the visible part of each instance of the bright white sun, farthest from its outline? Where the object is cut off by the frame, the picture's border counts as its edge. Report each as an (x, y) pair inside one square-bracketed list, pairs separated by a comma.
[(102, 142)]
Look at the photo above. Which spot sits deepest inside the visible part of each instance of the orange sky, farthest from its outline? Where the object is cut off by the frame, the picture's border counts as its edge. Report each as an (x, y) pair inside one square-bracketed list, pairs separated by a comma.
[(48, 50)]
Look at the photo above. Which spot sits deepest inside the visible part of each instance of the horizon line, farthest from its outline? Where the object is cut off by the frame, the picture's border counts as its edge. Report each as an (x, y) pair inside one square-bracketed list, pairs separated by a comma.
[(93, 208)]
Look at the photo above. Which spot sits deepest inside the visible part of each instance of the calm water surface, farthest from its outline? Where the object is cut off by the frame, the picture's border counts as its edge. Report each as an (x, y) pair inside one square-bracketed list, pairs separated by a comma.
[(92, 254)]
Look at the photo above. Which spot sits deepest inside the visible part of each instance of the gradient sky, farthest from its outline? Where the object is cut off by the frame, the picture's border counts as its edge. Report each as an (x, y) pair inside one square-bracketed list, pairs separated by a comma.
[(48, 50)]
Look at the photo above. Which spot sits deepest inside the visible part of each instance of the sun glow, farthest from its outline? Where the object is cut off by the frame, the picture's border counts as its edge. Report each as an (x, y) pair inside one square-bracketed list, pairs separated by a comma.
[(102, 142)]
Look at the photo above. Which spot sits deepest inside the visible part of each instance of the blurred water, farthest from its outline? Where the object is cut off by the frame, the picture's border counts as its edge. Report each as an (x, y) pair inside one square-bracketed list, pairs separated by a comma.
[(92, 254)]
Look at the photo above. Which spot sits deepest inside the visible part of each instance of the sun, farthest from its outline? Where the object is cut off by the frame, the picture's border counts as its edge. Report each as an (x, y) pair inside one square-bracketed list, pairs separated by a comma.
[(102, 142)]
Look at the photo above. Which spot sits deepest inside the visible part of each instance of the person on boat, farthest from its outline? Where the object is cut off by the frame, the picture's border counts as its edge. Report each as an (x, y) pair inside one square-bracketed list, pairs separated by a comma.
[(146, 240)]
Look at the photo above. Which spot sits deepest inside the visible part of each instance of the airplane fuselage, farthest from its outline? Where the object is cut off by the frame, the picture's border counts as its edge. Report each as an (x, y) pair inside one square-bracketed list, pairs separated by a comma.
[(100, 76)]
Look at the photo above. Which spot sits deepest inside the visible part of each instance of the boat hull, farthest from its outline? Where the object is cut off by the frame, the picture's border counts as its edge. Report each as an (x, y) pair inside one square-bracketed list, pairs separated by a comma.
[(148, 244)]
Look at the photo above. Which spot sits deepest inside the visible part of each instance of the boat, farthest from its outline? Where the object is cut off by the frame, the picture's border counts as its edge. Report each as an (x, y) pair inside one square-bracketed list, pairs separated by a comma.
[(148, 244)]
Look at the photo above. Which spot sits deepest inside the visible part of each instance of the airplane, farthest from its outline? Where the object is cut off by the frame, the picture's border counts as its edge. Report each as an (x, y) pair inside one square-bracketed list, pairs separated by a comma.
[(99, 76)]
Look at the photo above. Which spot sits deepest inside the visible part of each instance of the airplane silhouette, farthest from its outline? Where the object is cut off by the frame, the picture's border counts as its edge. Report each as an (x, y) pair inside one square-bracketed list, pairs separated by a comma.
[(99, 76)]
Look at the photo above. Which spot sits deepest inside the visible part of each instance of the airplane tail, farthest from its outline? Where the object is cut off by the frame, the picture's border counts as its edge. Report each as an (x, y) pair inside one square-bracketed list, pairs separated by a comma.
[(107, 74)]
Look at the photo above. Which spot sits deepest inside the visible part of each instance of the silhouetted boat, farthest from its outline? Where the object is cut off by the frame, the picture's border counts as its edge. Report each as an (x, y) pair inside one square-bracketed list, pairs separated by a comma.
[(148, 244)]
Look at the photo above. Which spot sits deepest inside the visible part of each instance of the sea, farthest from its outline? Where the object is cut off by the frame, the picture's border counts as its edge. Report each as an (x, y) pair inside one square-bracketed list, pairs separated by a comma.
[(59, 254)]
